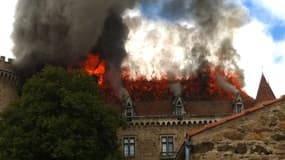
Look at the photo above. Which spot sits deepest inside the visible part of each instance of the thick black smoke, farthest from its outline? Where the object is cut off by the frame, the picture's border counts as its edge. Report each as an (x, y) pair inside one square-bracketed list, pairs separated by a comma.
[(111, 43), (63, 32)]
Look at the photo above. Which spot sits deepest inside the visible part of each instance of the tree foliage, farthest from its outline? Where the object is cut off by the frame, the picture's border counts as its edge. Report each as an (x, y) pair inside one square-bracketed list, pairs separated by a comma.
[(59, 116)]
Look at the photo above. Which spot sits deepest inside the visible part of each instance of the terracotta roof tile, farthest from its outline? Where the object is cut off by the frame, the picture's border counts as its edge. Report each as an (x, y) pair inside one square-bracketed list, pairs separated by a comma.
[(232, 117), (191, 107), (209, 107), (153, 108)]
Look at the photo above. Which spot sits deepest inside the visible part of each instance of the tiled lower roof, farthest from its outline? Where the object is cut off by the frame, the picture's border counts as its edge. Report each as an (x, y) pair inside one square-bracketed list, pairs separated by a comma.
[(232, 117)]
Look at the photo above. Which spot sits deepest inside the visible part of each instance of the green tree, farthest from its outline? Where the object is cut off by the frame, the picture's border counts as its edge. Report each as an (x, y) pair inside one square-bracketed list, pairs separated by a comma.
[(59, 116)]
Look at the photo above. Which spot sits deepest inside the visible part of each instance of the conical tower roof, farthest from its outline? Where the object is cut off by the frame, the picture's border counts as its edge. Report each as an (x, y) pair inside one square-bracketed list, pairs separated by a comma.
[(264, 92)]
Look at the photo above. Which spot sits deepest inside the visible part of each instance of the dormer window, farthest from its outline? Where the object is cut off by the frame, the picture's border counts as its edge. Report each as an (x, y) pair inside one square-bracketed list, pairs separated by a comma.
[(178, 111), (239, 107), (128, 109), (238, 104), (178, 107)]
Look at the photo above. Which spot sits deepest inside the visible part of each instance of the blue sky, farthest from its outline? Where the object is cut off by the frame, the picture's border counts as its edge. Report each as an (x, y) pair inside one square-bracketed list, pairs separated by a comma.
[(276, 25), (268, 17)]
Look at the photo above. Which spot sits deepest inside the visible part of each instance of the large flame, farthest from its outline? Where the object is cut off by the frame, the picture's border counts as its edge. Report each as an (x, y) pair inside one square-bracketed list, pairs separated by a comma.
[(202, 85), (95, 66), (159, 47)]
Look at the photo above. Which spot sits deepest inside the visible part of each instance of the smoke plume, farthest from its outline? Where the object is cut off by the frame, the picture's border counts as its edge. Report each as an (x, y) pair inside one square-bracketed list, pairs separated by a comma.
[(180, 36), (176, 89), (162, 38), (62, 32), (226, 85)]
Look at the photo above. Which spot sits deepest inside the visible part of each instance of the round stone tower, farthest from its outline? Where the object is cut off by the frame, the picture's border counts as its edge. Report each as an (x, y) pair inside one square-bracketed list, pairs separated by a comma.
[(8, 82)]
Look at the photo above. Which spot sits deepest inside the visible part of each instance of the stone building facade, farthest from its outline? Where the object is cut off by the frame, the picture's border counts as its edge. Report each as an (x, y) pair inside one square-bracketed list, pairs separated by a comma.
[(155, 130), (160, 135), (258, 133)]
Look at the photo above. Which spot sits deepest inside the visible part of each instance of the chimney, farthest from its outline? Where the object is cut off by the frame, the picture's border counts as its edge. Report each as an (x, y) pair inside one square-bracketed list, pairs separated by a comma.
[(238, 103)]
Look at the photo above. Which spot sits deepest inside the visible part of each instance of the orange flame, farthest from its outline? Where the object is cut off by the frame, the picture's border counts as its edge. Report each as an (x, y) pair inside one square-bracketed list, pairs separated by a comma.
[(94, 66), (202, 85)]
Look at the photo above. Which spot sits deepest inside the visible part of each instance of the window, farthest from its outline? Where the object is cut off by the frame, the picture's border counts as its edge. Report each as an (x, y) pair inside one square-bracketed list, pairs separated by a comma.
[(129, 112), (178, 110), (239, 107), (167, 147), (129, 146)]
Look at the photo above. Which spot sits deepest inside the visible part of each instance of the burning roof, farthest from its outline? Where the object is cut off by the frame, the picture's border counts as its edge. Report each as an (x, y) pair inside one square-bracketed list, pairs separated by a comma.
[(210, 83), (188, 42)]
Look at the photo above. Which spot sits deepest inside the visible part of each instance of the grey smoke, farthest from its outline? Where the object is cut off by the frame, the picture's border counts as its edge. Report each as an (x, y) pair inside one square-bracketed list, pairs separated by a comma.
[(176, 88), (114, 76), (208, 15), (124, 94), (208, 38), (62, 32), (226, 85)]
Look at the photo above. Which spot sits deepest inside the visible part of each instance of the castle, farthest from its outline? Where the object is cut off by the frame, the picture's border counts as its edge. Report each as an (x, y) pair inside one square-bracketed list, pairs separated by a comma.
[(157, 129)]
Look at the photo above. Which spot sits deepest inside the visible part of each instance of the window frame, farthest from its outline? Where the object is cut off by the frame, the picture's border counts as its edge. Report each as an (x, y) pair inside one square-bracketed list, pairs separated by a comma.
[(178, 110), (130, 143), (129, 112), (167, 144)]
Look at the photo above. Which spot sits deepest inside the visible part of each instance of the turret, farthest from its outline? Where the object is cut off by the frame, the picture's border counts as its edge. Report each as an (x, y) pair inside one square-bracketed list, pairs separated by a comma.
[(264, 92), (8, 82)]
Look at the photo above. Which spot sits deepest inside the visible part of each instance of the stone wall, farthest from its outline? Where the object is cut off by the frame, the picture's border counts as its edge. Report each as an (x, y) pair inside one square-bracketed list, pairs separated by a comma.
[(148, 132), (259, 135), (8, 93), (148, 140)]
